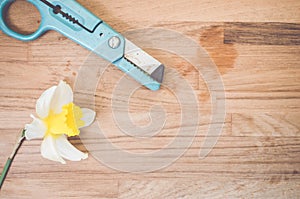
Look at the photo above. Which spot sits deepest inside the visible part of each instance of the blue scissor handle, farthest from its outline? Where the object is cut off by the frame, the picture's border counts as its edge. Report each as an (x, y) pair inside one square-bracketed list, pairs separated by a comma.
[(78, 24), (75, 22), (4, 4)]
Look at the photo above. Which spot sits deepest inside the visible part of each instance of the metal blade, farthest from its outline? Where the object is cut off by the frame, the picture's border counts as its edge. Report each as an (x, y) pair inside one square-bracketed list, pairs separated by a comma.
[(144, 61)]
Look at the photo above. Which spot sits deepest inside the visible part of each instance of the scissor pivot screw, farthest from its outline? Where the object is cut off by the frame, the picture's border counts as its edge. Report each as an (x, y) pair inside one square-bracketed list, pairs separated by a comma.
[(114, 42)]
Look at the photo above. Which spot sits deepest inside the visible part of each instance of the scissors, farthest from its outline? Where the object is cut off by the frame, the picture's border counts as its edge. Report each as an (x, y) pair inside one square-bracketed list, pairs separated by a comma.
[(78, 24)]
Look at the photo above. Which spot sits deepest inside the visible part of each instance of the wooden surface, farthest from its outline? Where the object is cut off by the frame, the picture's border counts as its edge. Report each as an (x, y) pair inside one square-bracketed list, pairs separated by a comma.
[(255, 45)]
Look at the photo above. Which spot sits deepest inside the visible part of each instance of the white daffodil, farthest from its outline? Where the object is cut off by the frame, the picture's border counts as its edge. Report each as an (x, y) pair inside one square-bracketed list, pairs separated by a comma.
[(58, 118)]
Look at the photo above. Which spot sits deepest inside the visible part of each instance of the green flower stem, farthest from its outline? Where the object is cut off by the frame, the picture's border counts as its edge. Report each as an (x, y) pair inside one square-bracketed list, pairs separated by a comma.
[(5, 171), (9, 161)]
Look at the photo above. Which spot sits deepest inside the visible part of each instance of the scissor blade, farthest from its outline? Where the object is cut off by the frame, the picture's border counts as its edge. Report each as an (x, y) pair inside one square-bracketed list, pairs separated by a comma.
[(144, 61)]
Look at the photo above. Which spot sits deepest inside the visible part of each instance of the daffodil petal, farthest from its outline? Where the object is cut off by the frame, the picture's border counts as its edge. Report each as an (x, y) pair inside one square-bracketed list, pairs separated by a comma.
[(43, 103), (49, 150), (63, 95), (88, 116), (68, 151), (35, 130)]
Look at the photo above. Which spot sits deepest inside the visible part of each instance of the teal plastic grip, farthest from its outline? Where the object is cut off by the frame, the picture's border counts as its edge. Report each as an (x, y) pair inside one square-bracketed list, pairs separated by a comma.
[(3, 26), (93, 33), (78, 24)]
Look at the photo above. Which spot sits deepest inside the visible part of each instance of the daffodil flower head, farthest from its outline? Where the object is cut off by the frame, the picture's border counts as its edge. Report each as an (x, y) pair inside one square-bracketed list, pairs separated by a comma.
[(58, 118)]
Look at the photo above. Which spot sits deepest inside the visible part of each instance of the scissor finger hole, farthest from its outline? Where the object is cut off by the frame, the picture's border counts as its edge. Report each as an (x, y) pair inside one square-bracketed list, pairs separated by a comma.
[(18, 21)]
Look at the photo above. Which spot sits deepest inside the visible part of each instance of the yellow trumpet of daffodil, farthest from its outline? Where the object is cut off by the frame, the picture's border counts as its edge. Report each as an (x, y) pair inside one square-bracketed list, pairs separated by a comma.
[(58, 118)]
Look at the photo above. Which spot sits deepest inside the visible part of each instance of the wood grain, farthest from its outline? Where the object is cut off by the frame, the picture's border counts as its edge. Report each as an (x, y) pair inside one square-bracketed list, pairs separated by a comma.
[(262, 33), (255, 46), (206, 188)]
